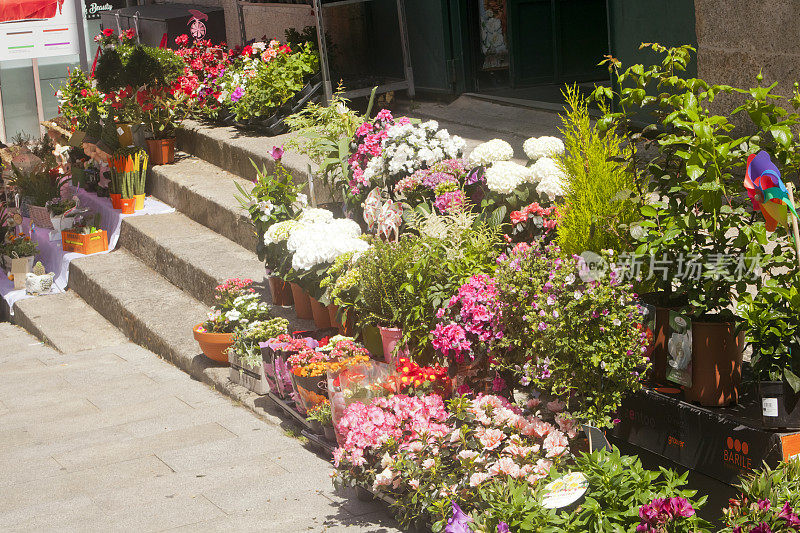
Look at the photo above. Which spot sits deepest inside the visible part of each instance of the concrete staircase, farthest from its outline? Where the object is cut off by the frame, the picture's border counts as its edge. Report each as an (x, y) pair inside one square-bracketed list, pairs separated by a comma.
[(159, 281)]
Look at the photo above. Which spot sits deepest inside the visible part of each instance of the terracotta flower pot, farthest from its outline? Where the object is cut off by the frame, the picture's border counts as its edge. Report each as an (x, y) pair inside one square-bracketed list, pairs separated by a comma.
[(214, 345), (115, 199), (716, 364), (302, 302), (161, 151), (280, 290), (333, 310), (390, 338), (320, 313), (127, 205)]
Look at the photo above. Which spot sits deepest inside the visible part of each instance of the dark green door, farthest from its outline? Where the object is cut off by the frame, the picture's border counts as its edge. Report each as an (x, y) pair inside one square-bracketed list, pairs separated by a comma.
[(557, 41)]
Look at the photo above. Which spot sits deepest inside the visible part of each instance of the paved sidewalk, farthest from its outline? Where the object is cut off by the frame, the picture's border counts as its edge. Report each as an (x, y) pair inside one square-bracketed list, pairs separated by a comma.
[(115, 439)]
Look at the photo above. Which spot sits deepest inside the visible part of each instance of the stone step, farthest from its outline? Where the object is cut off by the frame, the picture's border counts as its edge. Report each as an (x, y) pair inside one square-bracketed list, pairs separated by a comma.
[(67, 323), (191, 256), (150, 310), (206, 194)]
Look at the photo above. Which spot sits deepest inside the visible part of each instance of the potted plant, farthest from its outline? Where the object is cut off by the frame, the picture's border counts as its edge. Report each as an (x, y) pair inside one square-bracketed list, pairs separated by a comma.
[(274, 198), (237, 305), (61, 211), (691, 212), (162, 112), (19, 246), (128, 174), (322, 420), (247, 368), (275, 352), (771, 327)]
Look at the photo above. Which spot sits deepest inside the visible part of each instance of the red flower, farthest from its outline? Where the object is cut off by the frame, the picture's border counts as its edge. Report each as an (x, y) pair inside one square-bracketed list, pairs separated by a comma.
[(129, 33), (285, 49), (247, 51), (108, 32), (182, 40), (84, 93)]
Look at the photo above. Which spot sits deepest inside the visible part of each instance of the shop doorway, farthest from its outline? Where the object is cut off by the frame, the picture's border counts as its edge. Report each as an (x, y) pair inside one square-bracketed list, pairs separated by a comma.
[(529, 49)]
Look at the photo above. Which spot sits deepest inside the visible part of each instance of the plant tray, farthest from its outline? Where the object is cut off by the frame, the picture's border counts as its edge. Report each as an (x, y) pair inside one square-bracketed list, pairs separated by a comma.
[(250, 377), (289, 408), (84, 244)]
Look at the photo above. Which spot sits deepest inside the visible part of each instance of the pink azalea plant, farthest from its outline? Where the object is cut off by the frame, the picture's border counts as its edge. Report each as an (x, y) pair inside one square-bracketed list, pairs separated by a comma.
[(368, 144), (429, 458)]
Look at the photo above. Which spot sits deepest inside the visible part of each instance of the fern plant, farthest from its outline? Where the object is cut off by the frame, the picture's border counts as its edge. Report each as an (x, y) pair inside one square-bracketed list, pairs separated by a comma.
[(597, 205)]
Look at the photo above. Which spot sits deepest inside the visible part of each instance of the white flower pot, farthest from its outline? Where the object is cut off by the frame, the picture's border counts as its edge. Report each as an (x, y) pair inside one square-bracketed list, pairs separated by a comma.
[(61, 223)]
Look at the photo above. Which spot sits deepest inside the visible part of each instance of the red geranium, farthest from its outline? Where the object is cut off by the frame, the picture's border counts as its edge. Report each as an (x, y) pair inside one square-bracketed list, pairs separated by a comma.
[(108, 32)]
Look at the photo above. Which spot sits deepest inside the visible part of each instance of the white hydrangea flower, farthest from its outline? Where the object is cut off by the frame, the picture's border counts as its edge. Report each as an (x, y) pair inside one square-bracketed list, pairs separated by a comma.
[(503, 177), (315, 214), (324, 241), (549, 176), (491, 151), (546, 146)]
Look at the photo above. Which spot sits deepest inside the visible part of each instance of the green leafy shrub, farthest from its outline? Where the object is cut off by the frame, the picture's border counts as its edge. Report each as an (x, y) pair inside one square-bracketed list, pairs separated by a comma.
[(597, 203)]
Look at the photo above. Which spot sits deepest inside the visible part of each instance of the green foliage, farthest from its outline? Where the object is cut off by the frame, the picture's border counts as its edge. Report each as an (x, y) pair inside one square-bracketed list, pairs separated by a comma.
[(770, 322), (694, 206), (618, 487), (597, 206), (110, 71), (383, 271), (512, 501), (38, 185), (94, 126), (324, 135)]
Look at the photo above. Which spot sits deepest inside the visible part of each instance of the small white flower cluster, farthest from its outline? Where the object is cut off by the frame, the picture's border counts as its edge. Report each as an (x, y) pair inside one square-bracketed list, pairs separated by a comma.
[(503, 177), (313, 215), (549, 176), (546, 146), (410, 147), (491, 151), (323, 240)]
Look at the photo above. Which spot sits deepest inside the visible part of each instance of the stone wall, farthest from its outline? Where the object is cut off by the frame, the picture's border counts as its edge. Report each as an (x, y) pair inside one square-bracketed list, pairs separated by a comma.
[(737, 38)]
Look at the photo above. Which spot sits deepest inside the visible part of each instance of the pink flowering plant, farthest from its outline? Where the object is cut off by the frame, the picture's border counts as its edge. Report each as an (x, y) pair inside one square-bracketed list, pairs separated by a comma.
[(478, 441), (444, 187), (570, 331), (366, 145), (768, 501)]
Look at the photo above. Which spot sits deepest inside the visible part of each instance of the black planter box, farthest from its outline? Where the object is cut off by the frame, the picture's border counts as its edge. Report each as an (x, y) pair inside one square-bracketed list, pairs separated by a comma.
[(722, 443)]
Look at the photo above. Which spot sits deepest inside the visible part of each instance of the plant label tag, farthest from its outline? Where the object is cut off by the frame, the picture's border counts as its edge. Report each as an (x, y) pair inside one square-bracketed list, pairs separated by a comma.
[(679, 346), (120, 131), (769, 406)]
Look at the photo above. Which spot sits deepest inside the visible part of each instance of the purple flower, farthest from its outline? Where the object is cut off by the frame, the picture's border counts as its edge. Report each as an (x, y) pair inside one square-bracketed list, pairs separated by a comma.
[(237, 94), (763, 527), (502, 527), (498, 385), (277, 152), (458, 522)]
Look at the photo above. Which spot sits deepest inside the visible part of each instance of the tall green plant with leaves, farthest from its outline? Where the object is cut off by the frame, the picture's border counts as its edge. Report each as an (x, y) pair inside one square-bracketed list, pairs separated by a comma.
[(598, 204), (692, 209)]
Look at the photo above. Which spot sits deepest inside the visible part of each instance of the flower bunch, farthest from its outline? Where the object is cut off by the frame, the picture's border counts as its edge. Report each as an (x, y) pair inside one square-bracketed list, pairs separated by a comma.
[(246, 338), (321, 413), (549, 176), (491, 151), (546, 146), (205, 63), (470, 323), (366, 145), (19, 245), (664, 514), (77, 96), (323, 240), (545, 299), (502, 177), (761, 517), (533, 222), (407, 147), (412, 378), (108, 39), (237, 305), (365, 429), (488, 439)]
